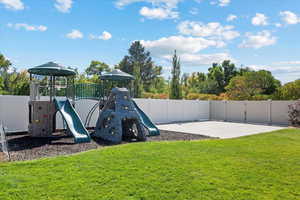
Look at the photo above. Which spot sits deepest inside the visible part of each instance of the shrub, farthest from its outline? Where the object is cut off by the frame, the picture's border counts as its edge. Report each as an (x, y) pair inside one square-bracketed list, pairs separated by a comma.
[(148, 95), (260, 97), (198, 96), (294, 113)]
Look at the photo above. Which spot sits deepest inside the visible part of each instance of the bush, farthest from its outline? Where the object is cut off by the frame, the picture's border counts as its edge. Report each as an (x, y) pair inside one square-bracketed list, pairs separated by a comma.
[(261, 97), (294, 113), (148, 95), (198, 96)]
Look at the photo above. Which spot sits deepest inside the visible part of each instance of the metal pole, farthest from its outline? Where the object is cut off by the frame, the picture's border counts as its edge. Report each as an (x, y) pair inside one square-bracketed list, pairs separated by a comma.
[(51, 88)]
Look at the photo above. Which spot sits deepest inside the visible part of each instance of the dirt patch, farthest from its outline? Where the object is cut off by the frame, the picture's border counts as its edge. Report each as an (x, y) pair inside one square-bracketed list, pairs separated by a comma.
[(23, 147)]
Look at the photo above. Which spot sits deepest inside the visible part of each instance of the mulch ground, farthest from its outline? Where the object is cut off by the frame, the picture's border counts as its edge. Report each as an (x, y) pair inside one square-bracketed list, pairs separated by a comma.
[(23, 147)]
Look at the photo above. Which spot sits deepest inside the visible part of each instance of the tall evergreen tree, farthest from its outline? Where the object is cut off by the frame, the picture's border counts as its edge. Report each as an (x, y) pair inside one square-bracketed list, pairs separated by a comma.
[(139, 55), (175, 88), (230, 71), (138, 87)]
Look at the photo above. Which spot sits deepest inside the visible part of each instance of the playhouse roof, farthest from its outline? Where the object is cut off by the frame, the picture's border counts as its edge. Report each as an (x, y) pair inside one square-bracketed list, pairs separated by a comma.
[(52, 69), (116, 75)]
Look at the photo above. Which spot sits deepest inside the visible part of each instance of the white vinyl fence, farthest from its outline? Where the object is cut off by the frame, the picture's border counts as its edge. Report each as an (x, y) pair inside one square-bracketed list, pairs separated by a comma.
[(266, 112), (14, 111)]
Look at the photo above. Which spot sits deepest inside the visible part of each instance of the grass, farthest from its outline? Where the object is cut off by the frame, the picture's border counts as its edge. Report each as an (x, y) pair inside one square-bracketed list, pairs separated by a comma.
[(265, 166)]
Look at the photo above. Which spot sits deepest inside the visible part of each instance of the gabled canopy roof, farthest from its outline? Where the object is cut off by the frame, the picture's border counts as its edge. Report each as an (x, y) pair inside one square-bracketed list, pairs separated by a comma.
[(116, 75), (52, 69)]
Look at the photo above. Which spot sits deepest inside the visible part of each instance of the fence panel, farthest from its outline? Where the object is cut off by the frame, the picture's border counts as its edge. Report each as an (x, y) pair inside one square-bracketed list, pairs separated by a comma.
[(235, 111), (279, 112), (14, 111), (217, 111), (258, 111)]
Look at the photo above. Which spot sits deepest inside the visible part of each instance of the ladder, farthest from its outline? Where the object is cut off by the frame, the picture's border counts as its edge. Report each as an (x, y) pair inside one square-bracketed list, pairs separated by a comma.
[(3, 143)]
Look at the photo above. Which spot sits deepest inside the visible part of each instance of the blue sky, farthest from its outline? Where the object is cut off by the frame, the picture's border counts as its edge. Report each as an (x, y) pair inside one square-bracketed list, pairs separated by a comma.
[(261, 34)]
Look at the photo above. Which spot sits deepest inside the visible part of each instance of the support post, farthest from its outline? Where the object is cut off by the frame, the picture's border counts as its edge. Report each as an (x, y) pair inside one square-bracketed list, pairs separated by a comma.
[(209, 109), (270, 111), (225, 110)]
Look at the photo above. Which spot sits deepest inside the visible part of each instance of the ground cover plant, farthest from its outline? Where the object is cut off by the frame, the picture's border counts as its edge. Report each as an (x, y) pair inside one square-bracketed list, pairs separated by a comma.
[(264, 166)]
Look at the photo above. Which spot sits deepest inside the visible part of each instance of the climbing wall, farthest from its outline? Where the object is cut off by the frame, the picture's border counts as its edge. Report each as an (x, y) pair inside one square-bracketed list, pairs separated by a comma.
[(41, 118), (119, 119)]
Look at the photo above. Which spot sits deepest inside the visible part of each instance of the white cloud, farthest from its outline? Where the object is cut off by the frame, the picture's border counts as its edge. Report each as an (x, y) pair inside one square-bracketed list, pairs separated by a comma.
[(104, 36), (74, 34), (207, 30), (261, 39), (167, 45), (158, 13), (162, 9), (194, 11), (231, 17), (277, 69), (13, 4), (223, 3), (28, 27), (187, 47), (260, 20), (63, 5), (201, 59), (287, 63), (159, 3), (278, 25), (289, 17)]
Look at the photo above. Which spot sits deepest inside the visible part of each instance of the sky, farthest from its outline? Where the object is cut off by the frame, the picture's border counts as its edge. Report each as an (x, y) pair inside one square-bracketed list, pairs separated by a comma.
[(261, 34)]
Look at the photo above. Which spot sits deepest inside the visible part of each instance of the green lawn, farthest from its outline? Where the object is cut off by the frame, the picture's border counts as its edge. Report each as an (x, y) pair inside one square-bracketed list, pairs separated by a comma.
[(265, 166)]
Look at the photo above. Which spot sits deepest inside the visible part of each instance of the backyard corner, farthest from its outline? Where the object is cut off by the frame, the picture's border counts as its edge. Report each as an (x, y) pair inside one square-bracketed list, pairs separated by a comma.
[(149, 100)]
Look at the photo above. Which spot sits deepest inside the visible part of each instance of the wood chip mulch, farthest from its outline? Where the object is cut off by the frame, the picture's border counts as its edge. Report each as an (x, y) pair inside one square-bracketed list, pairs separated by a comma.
[(23, 147)]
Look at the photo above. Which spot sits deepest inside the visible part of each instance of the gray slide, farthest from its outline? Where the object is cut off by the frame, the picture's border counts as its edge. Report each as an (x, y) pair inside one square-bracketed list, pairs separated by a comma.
[(73, 121)]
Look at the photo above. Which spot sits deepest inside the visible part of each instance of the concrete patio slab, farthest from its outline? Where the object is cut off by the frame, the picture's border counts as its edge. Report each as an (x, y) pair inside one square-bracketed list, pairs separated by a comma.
[(219, 129)]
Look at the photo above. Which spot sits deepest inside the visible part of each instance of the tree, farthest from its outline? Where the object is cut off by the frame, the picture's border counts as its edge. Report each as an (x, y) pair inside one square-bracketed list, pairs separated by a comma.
[(252, 84), (175, 89), (229, 70), (195, 80), (4, 63), (138, 87), (19, 83), (208, 86), (241, 71), (242, 88), (266, 81), (96, 68), (215, 73), (289, 91), (138, 55)]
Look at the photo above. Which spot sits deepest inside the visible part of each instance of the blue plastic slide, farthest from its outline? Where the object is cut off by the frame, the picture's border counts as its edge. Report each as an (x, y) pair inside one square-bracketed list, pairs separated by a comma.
[(153, 130), (73, 121)]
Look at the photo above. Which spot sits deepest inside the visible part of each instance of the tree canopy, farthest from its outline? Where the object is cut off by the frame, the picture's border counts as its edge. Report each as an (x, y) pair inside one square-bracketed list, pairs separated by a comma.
[(139, 56)]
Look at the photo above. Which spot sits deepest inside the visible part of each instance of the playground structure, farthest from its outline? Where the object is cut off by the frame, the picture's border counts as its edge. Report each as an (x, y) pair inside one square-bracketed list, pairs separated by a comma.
[(119, 116), (42, 113)]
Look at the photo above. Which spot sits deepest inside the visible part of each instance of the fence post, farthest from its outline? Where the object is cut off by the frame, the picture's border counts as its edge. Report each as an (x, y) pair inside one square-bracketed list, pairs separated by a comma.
[(270, 111), (225, 110), (167, 120), (245, 111), (209, 109)]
